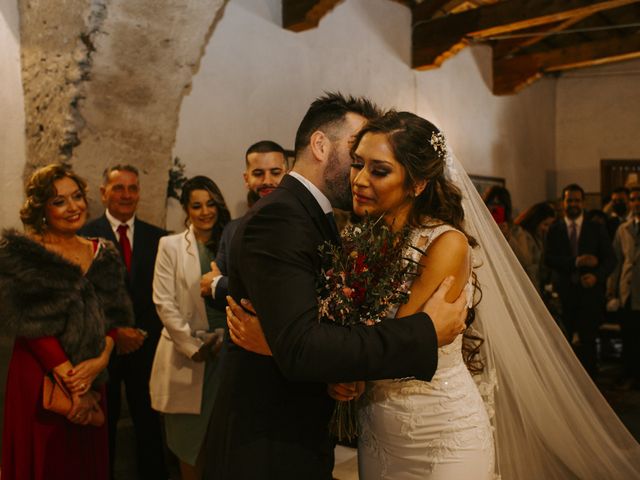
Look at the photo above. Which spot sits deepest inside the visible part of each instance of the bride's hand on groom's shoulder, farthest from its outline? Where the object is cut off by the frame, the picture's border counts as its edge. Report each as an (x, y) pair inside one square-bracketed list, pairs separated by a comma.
[(345, 391), (448, 318)]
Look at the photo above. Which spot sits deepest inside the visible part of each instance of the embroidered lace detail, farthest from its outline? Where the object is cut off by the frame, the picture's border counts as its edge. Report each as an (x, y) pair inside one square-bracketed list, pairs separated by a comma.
[(411, 426)]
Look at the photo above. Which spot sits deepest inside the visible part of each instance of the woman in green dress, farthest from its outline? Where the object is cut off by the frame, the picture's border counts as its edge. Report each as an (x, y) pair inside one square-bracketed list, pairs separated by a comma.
[(184, 377)]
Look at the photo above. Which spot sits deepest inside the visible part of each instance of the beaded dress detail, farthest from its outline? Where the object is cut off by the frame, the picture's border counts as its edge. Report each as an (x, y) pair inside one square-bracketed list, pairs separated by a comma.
[(437, 430)]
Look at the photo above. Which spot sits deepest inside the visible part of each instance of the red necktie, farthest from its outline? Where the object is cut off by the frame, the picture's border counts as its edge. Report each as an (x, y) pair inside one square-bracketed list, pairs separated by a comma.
[(125, 245), (573, 239)]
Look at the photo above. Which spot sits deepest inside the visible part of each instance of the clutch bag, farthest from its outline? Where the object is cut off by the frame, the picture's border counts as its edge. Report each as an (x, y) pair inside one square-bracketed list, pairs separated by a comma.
[(57, 398)]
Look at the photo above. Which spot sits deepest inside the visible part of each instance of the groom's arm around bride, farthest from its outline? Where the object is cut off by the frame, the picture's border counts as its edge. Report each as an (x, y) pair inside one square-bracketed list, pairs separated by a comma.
[(271, 415), (306, 350)]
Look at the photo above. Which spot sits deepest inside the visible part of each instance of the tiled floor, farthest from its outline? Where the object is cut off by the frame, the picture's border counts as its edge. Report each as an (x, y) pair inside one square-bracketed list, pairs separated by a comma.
[(626, 404)]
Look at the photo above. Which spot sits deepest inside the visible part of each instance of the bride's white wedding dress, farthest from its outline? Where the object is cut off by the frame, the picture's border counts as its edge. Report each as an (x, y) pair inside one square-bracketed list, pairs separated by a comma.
[(438, 430), (549, 420)]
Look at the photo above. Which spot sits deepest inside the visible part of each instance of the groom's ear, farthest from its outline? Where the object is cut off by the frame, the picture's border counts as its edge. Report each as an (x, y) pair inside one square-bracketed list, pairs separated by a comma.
[(320, 145)]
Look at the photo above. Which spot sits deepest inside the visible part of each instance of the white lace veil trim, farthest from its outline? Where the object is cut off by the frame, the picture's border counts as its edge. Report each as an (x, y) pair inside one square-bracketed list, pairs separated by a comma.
[(550, 420)]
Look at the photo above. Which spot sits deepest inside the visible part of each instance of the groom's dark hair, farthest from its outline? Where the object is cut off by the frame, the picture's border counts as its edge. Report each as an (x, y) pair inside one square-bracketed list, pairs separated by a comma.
[(328, 111)]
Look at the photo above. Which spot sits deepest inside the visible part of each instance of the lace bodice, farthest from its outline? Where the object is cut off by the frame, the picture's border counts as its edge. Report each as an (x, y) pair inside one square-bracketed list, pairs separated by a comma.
[(409, 426)]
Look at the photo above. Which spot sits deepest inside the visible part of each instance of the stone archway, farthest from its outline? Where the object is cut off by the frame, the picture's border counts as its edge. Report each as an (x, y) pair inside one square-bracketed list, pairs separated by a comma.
[(104, 81)]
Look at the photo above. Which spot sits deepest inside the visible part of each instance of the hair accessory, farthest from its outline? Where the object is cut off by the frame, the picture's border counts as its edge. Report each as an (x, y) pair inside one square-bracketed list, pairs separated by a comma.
[(439, 144)]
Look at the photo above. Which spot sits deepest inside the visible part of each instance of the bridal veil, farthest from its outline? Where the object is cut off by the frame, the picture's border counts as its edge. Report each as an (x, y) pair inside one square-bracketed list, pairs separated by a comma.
[(551, 421)]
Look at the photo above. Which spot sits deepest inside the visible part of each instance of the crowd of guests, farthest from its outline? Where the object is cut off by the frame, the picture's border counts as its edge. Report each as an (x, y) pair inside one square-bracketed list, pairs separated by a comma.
[(111, 303), (119, 302), (585, 261)]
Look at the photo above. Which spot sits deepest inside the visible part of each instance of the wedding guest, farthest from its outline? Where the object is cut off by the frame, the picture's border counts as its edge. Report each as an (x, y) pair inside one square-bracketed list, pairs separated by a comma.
[(184, 377), (498, 201), (626, 288), (136, 345), (527, 240), (620, 210), (62, 296), (265, 165), (579, 253)]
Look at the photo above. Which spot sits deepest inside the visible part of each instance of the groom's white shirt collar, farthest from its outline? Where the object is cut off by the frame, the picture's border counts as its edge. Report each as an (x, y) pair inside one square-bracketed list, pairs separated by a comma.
[(320, 197)]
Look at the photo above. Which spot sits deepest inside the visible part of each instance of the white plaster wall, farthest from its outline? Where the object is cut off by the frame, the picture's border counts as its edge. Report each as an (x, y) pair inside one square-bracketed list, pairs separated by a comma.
[(598, 117), (507, 136), (12, 121), (256, 80)]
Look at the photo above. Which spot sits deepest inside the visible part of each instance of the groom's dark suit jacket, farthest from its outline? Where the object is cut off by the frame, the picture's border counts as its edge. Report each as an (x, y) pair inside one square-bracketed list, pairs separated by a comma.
[(272, 413)]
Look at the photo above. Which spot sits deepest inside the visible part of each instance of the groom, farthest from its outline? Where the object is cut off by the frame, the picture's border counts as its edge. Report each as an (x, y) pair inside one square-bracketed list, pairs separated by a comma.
[(272, 413)]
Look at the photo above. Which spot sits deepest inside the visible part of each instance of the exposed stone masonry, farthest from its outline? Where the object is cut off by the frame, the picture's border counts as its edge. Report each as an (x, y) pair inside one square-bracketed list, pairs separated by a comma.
[(104, 80)]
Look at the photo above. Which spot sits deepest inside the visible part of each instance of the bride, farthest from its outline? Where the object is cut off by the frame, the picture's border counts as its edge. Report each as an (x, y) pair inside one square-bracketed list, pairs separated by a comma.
[(530, 397)]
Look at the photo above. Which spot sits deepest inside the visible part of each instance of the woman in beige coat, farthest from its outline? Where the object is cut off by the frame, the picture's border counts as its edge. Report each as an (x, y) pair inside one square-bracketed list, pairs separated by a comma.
[(184, 376)]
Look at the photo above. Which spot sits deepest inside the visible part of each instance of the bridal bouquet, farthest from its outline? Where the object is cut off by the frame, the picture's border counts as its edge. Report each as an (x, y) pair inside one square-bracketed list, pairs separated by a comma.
[(361, 281)]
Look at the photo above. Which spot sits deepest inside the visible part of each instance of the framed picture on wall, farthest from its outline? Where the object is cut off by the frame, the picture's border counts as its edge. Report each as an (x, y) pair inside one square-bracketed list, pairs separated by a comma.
[(484, 183)]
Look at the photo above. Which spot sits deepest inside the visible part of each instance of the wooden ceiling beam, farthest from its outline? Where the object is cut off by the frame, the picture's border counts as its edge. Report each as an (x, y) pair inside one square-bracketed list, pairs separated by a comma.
[(437, 39), (300, 15), (511, 75), (504, 48), (426, 10)]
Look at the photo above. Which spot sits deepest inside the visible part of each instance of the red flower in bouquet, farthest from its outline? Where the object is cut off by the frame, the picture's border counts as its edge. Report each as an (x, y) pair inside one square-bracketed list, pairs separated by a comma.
[(363, 279)]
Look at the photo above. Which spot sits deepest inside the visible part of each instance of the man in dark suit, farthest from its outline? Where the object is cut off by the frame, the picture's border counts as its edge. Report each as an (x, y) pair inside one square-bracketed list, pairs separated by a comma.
[(265, 165), (625, 287), (619, 210), (272, 413), (131, 366), (579, 253)]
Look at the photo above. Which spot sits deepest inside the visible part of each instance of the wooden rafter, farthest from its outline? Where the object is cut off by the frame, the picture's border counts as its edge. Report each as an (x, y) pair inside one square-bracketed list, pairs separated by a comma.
[(511, 47), (512, 74), (427, 9), (300, 15), (437, 39)]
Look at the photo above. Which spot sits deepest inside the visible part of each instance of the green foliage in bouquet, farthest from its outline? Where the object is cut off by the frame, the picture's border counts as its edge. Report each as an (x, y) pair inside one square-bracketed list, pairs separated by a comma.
[(362, 280), (366, 276)]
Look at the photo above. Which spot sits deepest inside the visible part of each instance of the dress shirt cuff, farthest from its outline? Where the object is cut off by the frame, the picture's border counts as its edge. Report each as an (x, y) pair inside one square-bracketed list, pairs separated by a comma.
[(214, 284)]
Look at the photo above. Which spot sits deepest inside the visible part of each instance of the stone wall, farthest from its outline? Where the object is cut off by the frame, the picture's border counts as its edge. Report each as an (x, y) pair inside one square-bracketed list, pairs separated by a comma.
[(104, 81), (56, 59)]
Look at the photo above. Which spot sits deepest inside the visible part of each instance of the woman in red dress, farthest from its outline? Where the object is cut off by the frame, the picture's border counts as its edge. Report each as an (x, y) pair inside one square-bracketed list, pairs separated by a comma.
[(62, 297)]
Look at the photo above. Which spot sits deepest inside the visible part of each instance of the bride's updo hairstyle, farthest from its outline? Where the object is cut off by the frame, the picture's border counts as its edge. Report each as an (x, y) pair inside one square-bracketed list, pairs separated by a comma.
[(420, 148)]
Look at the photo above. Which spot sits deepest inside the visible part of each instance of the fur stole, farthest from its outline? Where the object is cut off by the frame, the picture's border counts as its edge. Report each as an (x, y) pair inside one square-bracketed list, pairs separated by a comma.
[(43, 294)]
